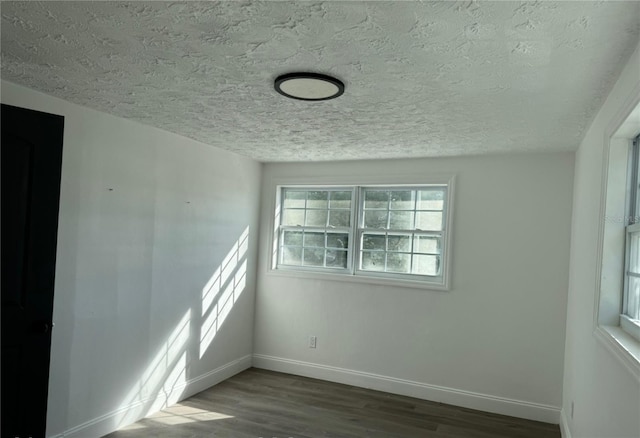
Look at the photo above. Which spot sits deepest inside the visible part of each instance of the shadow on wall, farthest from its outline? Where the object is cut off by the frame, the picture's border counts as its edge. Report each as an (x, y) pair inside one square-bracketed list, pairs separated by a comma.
[(166, 377)]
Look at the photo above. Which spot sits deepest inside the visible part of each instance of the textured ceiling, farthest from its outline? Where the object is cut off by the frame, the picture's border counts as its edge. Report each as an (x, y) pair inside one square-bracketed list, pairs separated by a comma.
[(422, 78)]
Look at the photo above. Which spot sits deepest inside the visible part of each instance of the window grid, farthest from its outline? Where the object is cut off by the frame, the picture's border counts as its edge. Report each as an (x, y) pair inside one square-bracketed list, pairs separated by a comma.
[(412, 232), (412, 252), (314, 254), (330, 251)]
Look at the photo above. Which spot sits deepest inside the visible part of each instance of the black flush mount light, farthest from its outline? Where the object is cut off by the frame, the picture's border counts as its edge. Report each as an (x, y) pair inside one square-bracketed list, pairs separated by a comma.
[(309, 86)]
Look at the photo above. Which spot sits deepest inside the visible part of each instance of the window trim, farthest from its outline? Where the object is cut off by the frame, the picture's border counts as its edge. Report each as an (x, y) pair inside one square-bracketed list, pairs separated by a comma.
[(360, 229), (347, 230), (622, 128), (403, 180)]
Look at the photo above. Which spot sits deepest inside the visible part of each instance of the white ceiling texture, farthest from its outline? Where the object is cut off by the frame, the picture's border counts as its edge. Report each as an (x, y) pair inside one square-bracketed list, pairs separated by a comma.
[(422, 79)]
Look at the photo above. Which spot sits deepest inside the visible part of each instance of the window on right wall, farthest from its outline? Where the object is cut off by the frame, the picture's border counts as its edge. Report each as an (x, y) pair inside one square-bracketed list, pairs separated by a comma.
[(630, 317), (617, 294)]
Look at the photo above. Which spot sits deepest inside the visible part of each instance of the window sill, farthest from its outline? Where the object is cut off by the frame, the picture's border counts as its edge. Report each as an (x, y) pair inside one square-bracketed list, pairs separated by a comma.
[(630, 326), (350, 278), (624, 347)]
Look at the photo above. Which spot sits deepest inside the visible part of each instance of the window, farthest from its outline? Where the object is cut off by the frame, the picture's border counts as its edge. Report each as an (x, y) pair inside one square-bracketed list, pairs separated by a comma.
[(400, 230), (393, 232), (315, 229), (630, 317), (616, 294)]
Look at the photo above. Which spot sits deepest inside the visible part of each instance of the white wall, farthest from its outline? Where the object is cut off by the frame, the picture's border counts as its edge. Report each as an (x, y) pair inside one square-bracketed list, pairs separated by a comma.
[(146, 218), (605, 394), (495, 341)]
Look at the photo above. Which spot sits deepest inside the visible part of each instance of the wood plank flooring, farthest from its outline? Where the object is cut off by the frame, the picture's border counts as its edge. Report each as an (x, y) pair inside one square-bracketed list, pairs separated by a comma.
[(258, 403)]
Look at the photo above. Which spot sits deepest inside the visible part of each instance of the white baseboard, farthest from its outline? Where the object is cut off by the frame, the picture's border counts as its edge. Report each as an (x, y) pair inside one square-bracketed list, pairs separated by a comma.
[(110, 421), (457, 397), (564, 425)]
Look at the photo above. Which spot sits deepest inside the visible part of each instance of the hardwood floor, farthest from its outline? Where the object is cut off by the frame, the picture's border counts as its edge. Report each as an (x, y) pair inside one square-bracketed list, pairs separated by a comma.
[(259, 403)]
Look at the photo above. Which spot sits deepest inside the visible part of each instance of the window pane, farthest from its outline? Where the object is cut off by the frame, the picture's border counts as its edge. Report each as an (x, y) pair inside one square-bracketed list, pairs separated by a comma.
[(429, 220), (335, 240), (634, 256), (399, 243), (293, 238), (372, 261), (340, 200), (317, 199), (314, 239), (403, 199), (292, 255), (398, 262), (294, 199), (339, 218), (430, 200), (425, 264), (376, 199), (316, 218), (401, 220), (336, 258), (375, 218), (373, 241), (633, 298), (424, 244), (313, 257), (293, 217)]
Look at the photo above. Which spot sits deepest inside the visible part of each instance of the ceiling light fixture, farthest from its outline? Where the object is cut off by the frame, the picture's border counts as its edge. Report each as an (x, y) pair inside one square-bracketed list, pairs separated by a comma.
[(309, 86)]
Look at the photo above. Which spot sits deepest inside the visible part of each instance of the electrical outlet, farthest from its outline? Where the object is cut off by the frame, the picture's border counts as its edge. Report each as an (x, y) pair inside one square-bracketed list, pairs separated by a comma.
[(312, 341), (572, 409)]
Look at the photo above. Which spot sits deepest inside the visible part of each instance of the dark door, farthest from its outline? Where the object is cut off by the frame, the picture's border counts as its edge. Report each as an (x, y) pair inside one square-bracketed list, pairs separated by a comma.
[(31, 163)]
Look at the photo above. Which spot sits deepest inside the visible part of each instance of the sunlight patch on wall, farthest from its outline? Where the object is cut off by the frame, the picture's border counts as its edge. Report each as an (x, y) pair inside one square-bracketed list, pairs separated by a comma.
[(164, 377), (224, 271), (223, 290), (173, 386)]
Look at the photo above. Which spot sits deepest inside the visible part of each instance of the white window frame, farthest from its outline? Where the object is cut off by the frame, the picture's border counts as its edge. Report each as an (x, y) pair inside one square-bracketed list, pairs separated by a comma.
[(303, 228), (440, 282), (608, 323), (361, 230)]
